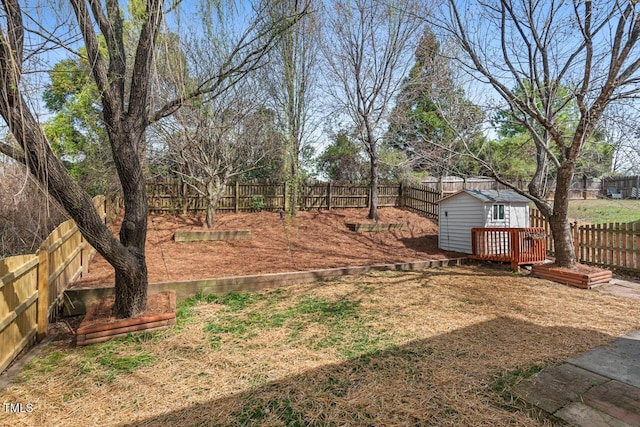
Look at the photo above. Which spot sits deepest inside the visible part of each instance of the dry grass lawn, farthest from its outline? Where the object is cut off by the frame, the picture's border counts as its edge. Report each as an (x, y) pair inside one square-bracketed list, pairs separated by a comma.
[(436, 347)]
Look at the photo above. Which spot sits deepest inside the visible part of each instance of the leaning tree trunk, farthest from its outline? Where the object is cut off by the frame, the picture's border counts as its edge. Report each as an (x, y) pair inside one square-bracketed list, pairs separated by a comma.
[(126, 256)]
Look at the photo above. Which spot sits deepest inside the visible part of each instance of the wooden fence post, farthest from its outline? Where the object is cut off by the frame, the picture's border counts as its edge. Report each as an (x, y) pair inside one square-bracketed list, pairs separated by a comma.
[(576, 240), (329, 195), (285, 196), (635, 227), (43, 293), (237, 197), (84, 256), (515, 249), (184, 190)]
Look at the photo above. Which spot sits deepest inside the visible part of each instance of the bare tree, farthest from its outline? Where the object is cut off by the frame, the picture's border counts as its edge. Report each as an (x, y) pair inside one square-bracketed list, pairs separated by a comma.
[(291, 77), (620, 128), (212, 143), (125, 92), (368, 50), (530, 52)]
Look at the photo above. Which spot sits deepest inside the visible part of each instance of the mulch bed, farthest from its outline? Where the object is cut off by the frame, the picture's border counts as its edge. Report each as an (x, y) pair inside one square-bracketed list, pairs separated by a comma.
[(311, 240), (101, 325), (581, 276)]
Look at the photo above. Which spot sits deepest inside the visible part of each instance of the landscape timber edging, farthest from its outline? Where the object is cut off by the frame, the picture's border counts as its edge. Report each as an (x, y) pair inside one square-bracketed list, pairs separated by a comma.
[(366, 227), (94, 329), (211, 235), (571, 278), (76, 299)]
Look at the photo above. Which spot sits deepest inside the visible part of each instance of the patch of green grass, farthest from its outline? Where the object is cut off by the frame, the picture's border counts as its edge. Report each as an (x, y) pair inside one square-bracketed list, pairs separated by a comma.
[(115, 358), (323, 309), (43, 364), (347, 331), (345, 327), (602, 211), (503, 385), (235, 301), (184, 309), (254, 411)]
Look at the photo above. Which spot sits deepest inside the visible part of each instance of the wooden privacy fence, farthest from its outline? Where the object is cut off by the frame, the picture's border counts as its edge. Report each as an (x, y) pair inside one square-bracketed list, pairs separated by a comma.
[(581, 188), (31, 286), (615, 246), (514, 245), (421, 199), (627, 186), (177, 197)]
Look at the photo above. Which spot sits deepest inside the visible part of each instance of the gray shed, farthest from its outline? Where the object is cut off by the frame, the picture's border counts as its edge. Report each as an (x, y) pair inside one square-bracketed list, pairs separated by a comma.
[(468, 209)]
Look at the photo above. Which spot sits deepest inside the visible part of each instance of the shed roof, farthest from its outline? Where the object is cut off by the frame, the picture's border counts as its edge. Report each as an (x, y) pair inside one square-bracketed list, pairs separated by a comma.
[(493, 196)]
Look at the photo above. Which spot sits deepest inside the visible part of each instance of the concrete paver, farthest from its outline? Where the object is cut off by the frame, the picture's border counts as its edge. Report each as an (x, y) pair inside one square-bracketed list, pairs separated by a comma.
[(557, 386), (579, 414), (598, 388), (617, 399), (619, 361)]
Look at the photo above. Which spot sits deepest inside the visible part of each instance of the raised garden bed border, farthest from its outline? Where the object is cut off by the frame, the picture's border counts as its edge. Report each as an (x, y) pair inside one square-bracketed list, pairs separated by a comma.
[(211, 235), (571, 278), (367, 227), (89, 332), (76, 299)]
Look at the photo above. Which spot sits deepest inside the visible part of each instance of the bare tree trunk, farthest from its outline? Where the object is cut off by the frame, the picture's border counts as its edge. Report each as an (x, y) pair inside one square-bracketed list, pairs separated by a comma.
[(559, 219), (126, 256), (210, 215), (537, 186), (372, 146), (215, 188), (131, 283), (373, 208), (295, 182), (210, 210)]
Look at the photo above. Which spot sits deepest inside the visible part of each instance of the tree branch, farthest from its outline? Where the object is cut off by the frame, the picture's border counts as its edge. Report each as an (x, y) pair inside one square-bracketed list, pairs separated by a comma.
[(12, 152)]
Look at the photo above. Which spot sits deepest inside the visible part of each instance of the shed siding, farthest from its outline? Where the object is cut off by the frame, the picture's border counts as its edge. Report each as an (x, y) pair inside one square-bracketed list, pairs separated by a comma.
[(519, 216), (516, 215), (457, 216), (462, 212)]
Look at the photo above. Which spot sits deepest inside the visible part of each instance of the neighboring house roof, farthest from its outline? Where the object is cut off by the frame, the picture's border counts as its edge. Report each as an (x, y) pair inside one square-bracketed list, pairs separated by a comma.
[(492, 196)]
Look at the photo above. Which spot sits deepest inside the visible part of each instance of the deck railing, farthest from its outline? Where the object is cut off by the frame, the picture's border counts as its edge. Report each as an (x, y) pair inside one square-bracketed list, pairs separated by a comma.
[(517, 246)]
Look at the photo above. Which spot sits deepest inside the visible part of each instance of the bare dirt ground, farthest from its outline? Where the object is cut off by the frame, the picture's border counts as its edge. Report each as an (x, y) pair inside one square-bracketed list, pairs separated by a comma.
[(311, 240)]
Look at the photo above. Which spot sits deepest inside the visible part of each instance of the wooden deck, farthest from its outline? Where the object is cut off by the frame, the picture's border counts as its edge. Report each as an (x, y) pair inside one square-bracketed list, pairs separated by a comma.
[(517, 246)]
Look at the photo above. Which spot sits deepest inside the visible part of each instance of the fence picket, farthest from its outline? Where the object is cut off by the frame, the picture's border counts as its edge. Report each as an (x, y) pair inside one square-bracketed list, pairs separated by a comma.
[(615, 246), (167, 196), (32, 294)]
